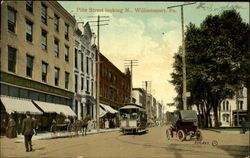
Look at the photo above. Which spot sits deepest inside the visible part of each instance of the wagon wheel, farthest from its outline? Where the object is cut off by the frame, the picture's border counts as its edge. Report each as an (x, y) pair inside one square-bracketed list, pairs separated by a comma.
[(198, 135), (181, 135), (169, 134)]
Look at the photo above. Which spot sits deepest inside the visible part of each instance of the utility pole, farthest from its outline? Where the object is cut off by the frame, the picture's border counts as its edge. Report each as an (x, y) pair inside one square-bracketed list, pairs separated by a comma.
[(184, 97), (146, 87), (131, 63), (98, 70)]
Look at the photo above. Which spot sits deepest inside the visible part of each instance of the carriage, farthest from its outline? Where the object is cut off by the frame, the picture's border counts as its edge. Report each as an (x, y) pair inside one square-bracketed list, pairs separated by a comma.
[(133, 119), (184, 126)]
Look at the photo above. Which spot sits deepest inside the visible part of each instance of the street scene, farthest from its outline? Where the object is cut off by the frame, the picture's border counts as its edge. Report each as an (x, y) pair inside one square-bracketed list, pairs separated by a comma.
[(86, 79)]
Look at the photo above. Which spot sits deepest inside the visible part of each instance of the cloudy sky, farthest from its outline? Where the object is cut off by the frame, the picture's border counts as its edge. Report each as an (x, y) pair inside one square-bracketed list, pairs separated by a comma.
[(152, 37)]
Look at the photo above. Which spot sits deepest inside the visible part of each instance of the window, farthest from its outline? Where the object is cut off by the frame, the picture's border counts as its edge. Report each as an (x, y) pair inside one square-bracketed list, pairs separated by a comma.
[(92, 70), (56, 48), (66, 31), (66, 80), (11, 59), (44, 14), (227, 105), (29, 5), (240, 104), (87, 85), (82, 62), (87, 64), (66, 53), (29, 25), (44, 40), (44, 71), (56, 23), (76, 58), (82, 83), (29, 66), (76, 80), (92, 88), (57, 76), (11, 19)]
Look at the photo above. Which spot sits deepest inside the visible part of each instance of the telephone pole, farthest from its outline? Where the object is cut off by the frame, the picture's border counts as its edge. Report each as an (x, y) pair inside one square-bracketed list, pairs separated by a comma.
[(184, 97), (131, 63), (98, 70), (148, 84)]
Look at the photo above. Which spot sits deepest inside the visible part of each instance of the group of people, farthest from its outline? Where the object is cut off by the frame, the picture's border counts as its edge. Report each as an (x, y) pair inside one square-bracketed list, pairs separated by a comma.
[(29, 126)]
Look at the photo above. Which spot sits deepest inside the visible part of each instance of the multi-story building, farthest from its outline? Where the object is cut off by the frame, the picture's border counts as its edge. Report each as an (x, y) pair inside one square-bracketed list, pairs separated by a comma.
[(36, 53), (159, 113), (234, 110), (114, 88), (84, 72), (139, 96)]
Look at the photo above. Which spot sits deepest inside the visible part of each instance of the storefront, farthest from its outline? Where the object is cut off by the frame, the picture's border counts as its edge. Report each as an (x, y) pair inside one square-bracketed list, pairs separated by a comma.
[(108, 117)]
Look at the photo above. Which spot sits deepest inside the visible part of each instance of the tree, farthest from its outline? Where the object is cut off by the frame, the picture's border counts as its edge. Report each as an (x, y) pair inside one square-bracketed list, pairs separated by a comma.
[(217, 57)]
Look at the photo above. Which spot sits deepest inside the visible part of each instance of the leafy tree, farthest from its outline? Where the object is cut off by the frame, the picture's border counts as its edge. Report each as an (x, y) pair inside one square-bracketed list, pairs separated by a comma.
[(217, 57)]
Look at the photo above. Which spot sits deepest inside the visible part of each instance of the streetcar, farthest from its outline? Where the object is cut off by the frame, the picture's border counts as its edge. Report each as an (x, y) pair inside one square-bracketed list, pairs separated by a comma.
[(133, 118)]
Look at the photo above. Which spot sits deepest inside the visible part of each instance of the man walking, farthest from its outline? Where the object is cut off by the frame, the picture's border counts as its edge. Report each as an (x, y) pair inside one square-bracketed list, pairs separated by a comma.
[(28, 128)]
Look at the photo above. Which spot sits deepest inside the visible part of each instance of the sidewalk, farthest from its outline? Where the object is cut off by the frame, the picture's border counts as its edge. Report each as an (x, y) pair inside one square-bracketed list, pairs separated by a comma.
[(64, 134)]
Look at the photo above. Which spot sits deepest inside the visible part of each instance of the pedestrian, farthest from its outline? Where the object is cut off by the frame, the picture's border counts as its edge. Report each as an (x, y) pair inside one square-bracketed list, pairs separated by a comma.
[(11, 128), (53, 126), (28, 129)]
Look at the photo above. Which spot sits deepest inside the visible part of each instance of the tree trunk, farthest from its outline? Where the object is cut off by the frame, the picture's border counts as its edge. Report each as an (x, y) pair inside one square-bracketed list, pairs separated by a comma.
[(248, 99), (216, 121), (199, 116)]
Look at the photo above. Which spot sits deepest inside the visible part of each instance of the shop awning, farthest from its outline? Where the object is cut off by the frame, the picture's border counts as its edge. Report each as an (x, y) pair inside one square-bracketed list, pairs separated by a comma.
[(55, 108), (19, 105), (108, 108), (102, 112)]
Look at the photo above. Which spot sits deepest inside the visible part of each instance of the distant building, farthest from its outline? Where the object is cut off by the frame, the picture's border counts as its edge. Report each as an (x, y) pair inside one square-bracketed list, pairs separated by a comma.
[(139, 96), (233, 109)]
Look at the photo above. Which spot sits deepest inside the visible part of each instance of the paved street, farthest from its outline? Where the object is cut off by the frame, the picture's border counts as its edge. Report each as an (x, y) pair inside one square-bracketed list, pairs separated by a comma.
[(114, 144)]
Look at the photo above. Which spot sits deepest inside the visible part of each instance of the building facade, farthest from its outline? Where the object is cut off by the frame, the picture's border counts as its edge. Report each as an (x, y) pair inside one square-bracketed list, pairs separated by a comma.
[(114, 91), (139, 96), (233, 111), (36, 51), (84, 78)]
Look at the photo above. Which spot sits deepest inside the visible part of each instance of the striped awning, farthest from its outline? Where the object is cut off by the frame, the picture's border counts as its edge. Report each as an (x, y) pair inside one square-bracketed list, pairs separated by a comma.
[(19, 105), (109, 108), (55, 108)]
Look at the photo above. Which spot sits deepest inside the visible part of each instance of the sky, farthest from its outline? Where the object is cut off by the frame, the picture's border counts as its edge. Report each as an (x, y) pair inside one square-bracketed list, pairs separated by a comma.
[(148, 32)]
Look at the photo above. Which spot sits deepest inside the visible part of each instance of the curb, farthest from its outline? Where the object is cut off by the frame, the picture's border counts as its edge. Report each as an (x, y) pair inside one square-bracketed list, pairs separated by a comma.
[(63, 135)]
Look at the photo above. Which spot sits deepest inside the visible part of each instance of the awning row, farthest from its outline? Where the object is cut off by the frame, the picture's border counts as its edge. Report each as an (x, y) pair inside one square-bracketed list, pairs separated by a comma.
[(18, 105)]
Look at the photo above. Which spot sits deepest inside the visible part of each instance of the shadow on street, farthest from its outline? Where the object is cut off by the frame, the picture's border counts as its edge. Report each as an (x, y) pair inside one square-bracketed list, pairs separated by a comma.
[(235, 150)]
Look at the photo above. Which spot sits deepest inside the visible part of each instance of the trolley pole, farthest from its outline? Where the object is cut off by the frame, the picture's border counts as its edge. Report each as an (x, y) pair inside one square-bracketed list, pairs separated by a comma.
[(98, 71), (184, 97)]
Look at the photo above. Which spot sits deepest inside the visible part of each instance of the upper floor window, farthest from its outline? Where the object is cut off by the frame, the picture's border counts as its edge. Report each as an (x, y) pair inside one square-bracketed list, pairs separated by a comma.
[(44, 71), (76, 83), (66, 80), (66, 53), (11, 19), (57, 71), (56, 23), (29, 5), (76, 58), (66, 31), (29, 66), (82, 58), (44, 13), (56, 48), (29, 29), (44, 40), (87, 65), (82, 83), (11, 59)]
